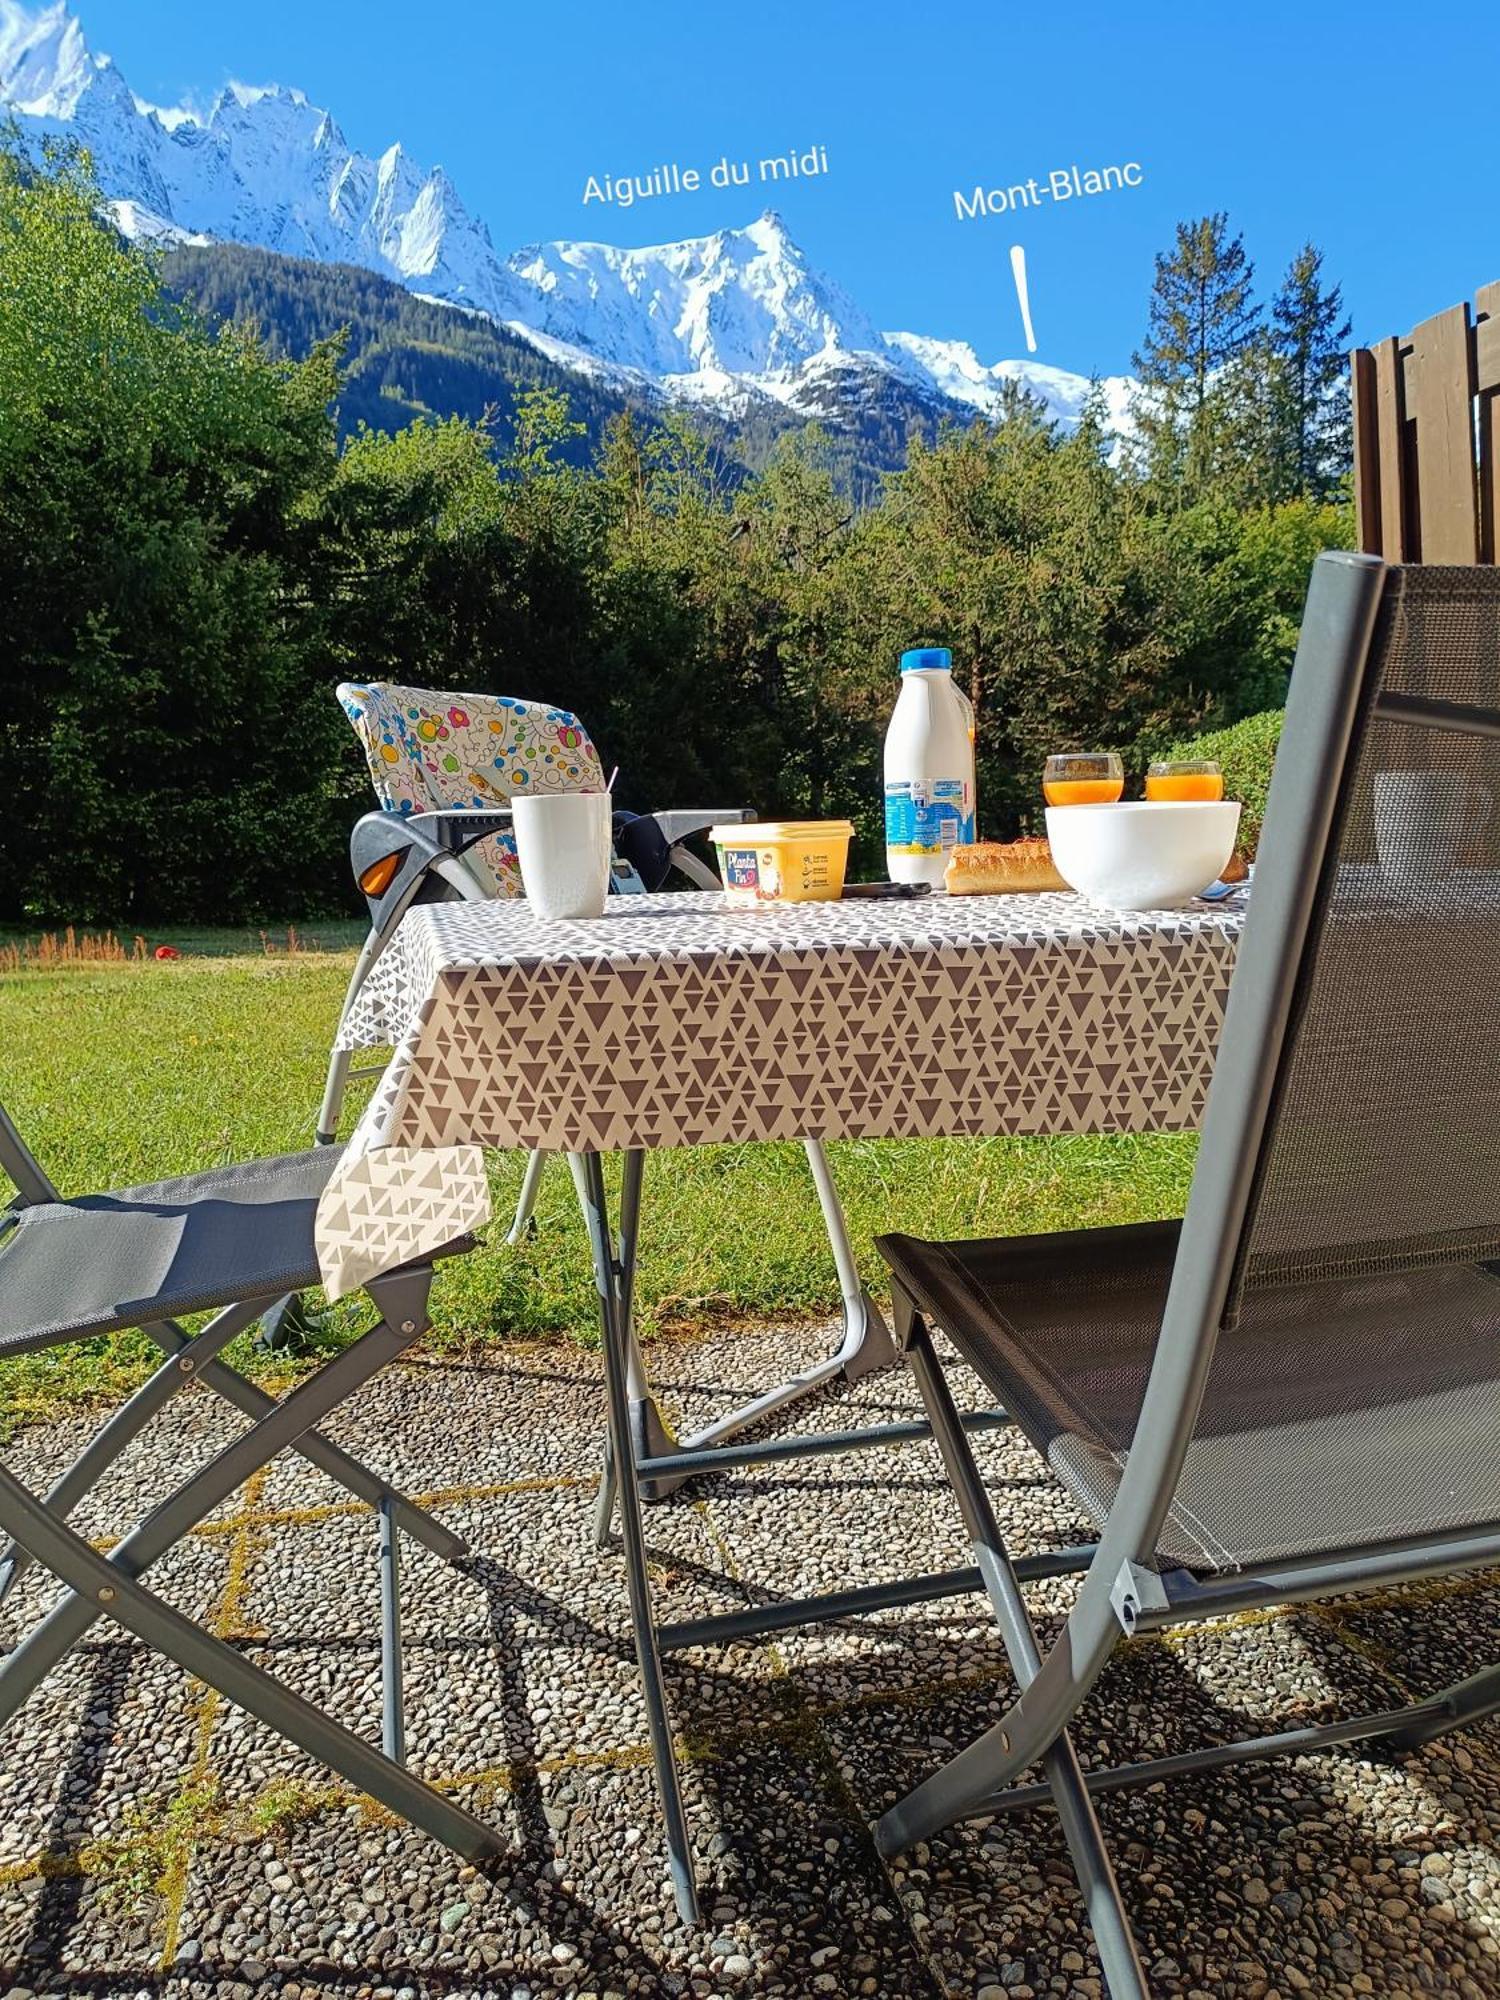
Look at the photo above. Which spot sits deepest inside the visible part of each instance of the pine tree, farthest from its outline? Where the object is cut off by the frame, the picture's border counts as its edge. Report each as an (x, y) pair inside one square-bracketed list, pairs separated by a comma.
[(1312, 441), (1196, 364)]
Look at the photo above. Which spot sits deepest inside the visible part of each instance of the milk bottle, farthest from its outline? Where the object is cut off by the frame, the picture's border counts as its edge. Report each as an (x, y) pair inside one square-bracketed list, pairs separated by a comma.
[(929, 769)]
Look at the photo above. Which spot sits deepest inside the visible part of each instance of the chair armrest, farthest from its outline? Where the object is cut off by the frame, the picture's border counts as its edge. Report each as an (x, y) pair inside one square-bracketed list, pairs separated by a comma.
[(651, 844), (391, 853), (677, 826), (456, 828)]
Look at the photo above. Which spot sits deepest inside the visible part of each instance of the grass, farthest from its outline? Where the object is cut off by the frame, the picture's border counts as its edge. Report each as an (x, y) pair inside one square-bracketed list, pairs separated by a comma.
[(328, 934), (129, 1071)]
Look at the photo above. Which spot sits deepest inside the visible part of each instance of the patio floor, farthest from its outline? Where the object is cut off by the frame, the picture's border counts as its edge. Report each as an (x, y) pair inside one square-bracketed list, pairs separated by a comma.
[(154, 1840)]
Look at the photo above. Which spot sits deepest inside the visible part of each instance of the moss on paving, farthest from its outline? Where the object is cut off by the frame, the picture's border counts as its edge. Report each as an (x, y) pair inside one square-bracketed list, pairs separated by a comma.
[(125, 1073)]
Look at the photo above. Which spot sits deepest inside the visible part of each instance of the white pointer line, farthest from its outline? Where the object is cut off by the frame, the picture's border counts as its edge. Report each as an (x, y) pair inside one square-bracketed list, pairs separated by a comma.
[(1018, 272)]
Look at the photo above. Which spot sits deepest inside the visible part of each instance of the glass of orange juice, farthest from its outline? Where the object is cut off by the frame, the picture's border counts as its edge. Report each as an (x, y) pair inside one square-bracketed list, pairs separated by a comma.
[(1083, 778), (1184, 778)]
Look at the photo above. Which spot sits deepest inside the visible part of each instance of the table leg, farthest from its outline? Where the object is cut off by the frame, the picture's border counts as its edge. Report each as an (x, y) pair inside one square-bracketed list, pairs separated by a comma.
[(648, 1427), (613, 1276)]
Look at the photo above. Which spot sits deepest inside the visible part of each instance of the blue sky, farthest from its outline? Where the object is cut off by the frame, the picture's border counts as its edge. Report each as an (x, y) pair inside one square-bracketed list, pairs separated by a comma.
[(1367, 127)]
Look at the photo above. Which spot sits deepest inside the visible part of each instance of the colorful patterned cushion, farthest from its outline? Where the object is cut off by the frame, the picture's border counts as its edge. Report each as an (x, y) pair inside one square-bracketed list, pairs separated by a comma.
[(426, 749)]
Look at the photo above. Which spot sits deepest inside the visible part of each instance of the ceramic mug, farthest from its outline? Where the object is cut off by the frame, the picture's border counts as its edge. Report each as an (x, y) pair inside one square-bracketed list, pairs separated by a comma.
[(1424, 820), (563, 843)]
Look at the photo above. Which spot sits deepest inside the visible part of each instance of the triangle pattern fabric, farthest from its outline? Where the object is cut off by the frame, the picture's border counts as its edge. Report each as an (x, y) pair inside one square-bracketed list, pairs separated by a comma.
[(676, 1020), (394, 1204)]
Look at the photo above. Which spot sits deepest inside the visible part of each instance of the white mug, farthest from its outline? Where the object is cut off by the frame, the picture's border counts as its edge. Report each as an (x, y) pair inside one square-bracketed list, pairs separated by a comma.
[(563, 843)]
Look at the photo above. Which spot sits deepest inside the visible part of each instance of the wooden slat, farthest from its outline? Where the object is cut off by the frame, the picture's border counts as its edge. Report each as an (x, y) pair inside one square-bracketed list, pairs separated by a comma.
[(1398, 543), (1487, 338), (1487, 378), (1440, 402), (1366, 450)]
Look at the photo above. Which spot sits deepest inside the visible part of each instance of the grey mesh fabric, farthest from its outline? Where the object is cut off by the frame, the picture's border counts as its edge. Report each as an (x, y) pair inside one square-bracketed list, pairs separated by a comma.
[(1339, 1414), (69, 1268), (1354, 1395), (1386, 1145)]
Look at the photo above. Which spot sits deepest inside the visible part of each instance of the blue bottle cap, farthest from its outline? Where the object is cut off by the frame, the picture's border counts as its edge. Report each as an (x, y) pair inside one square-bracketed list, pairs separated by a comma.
[(926, 660)]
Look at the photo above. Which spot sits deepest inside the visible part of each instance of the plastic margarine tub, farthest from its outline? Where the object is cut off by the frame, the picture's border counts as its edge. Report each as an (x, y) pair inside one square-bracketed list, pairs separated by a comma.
[(783, 860)]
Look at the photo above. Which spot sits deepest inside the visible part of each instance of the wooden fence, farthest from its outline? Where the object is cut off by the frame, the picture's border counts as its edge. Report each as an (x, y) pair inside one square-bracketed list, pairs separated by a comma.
[(1427, 438)]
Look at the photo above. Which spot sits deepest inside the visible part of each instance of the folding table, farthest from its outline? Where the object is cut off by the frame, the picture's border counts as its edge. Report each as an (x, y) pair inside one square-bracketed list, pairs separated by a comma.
[(677, 1020)]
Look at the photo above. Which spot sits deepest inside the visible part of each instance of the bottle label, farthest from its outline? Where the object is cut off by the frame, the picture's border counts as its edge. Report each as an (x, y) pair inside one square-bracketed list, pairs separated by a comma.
[(926, 818)]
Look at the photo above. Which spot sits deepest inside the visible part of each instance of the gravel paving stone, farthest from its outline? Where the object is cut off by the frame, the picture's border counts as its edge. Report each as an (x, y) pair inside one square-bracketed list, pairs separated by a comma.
[(190, 1577), (1335, 1876), (1298, 1863), (1426, 1645), (180, 1438), (801, 1877), (523, 1413), (520, 1655), (110, 1728), (802, 1528), (74, 1935)]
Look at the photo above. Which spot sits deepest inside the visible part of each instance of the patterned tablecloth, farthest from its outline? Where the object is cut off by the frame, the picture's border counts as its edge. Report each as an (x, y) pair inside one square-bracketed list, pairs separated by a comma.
[(677, 1021)]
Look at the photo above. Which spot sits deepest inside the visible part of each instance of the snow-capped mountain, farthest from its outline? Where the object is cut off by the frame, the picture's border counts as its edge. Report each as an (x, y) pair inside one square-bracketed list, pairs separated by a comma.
[(742, 302), (261, 166), (726, 321)]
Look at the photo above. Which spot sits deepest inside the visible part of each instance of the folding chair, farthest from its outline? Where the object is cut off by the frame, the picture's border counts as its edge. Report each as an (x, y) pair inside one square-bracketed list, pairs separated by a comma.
[(1296, 1391), (227, 1242), (449, 764)]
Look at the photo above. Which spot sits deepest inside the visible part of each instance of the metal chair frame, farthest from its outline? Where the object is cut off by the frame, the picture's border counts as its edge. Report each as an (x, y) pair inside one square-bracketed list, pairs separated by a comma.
[(110, 1586), (1121, 1592)]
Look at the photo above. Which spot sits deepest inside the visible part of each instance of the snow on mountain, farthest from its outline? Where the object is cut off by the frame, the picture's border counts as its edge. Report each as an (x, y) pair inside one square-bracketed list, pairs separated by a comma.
[(739, 302), (956, 371), (261, 166), (726, 322)]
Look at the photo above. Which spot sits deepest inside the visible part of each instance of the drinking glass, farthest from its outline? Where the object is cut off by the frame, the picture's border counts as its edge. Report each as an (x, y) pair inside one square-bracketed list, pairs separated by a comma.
[(1083, 778), (1184, 778)]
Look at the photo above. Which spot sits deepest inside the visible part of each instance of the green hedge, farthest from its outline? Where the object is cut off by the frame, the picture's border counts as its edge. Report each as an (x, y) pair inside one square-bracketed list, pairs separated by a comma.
[(1247, 751)]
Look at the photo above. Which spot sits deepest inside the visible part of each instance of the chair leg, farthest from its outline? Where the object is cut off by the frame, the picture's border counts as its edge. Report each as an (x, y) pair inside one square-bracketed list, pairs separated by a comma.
[(334, 1087), (392, 1678), (130, 1420), (864, 1346), (95, 1579), (339, 1060), (1465, 1703), (531, 1182), (404, 1295), (604, 1504), (653, 1439), (319, 1451), (616, 1334), (900, 1828), (867, 1343)]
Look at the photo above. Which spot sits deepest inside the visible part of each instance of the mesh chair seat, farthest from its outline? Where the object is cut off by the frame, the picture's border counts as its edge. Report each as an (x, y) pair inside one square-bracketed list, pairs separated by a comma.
[(1306, 1441), (107, 1261)]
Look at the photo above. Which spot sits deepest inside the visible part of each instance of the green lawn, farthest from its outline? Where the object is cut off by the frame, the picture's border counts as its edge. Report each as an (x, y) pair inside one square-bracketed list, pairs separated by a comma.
[(122, 1073)]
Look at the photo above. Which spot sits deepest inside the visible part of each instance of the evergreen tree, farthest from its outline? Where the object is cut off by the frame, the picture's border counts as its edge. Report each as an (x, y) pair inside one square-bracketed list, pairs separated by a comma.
[(1312, 444), (1196, 365)]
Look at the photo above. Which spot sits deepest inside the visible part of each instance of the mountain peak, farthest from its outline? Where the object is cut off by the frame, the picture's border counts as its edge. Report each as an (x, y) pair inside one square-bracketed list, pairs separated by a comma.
[(248, 95), (263, 165), (770, 235), (45, 64), (725, 320)]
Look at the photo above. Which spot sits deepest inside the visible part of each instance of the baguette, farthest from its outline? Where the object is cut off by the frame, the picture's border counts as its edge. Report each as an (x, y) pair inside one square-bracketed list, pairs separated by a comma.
[(998, 868)]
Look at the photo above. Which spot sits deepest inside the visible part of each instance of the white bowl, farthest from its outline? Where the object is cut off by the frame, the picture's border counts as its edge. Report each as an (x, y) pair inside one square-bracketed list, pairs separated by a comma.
[(1147, 854)]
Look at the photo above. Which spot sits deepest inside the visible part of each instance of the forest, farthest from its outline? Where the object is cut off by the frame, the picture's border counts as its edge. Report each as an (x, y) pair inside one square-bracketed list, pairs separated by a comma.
[(194, 551)]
